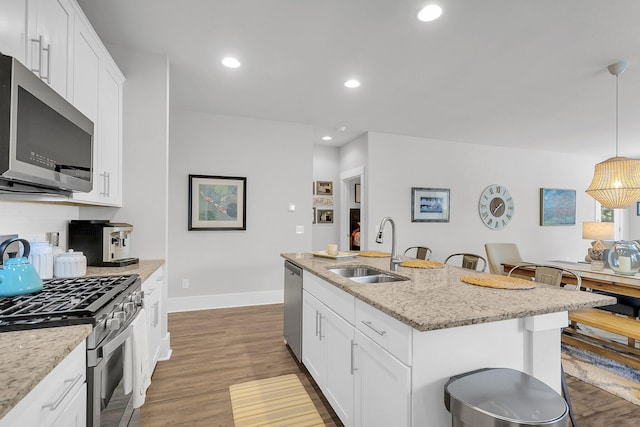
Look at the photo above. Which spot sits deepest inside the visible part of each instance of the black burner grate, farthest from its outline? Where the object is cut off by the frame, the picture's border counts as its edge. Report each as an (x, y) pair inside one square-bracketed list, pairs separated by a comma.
[(75, 299)]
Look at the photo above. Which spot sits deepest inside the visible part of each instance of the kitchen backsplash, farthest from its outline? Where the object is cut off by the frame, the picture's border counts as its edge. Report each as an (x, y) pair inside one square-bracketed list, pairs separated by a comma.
[(31, 220)]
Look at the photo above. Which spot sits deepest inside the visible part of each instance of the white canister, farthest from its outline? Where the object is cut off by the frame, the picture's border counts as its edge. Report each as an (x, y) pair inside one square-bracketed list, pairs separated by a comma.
[(70, 264), (41, 257)]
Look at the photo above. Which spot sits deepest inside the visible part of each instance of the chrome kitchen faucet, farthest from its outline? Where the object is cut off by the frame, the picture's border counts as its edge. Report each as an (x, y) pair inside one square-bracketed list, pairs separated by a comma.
[(395, 260)]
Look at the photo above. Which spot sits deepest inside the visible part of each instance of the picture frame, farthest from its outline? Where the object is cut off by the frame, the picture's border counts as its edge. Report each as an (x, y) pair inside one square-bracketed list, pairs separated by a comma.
[(356, 193), (217, 203), (637, 208), (323, 201), (324, 188), (324, 216), (430, 204), (557, 207), (313, 221)]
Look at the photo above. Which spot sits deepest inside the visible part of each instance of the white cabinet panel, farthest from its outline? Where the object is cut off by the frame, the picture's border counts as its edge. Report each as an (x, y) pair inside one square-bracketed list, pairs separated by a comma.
[(13, 29), (383, 387), (312, 348), (152, 288), (50, 29)]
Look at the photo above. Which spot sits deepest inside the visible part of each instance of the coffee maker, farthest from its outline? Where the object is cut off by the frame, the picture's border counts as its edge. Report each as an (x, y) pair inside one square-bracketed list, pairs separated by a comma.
[(105, 244)]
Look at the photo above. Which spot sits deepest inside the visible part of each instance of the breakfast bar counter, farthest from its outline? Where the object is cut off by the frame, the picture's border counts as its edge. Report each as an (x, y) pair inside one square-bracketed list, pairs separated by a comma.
[(435, 298), (390, 347)]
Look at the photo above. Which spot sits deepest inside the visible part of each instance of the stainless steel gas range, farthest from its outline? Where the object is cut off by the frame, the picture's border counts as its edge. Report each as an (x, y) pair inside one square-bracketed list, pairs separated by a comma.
[(109, 304)]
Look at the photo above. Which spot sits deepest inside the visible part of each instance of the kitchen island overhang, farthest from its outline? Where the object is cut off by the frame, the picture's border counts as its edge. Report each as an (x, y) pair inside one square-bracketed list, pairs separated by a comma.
[(457, 327)]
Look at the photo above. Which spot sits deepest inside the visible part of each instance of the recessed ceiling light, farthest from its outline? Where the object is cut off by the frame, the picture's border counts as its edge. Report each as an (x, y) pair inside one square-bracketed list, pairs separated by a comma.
[(326, 138), (430, 13), (230, 62), (351, 84)]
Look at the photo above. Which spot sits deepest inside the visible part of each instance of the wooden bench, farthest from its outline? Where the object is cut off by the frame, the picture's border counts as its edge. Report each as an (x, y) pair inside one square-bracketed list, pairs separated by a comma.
[(618, 324)]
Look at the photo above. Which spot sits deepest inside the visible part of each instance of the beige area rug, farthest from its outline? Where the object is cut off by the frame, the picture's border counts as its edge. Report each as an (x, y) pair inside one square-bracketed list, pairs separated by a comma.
[(602, 378), (275, 402)]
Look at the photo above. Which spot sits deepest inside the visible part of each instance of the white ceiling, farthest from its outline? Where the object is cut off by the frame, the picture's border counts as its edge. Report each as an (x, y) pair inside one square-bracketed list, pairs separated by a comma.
[(522, 73)]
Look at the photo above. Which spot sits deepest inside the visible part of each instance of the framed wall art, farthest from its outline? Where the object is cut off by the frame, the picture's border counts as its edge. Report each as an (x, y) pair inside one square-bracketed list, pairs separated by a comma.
[(217, 202), (357, 193), (557, 206), (324, 188), (637, 208), (429, 204), (324, 216)]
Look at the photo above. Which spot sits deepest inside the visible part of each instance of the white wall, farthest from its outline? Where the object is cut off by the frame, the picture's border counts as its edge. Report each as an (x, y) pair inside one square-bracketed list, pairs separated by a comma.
[(277, 159), (145, 146), (29, 220), (326, 163), (397, 163)]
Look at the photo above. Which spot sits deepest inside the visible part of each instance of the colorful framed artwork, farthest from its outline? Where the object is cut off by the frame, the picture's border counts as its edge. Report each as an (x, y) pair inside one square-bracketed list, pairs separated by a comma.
[(217, 202), (557, 206), (430, 204)]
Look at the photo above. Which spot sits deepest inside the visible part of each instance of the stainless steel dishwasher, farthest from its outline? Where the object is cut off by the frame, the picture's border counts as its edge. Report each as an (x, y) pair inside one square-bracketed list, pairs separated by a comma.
[(293, 308)]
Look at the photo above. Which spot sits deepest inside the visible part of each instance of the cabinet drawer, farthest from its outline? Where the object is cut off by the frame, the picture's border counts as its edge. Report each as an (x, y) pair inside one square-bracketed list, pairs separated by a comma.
[(333, 297), (391, 334)]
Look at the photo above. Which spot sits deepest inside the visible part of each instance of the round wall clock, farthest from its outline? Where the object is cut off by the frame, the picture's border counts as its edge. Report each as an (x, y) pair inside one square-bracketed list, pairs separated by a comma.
[(496, 206)]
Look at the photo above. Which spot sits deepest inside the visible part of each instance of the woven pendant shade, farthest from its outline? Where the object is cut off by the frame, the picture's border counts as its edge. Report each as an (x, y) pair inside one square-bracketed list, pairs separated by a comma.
[(616, 182)]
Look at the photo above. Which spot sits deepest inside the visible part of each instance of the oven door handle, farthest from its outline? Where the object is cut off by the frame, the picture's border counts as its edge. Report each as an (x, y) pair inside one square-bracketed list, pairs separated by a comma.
[(113, 344)]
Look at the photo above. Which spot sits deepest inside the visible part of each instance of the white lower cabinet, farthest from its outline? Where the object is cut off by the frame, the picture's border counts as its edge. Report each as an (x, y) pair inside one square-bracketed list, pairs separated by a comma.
[(152, 288), (382, 386), (327, 354), (60, 399)]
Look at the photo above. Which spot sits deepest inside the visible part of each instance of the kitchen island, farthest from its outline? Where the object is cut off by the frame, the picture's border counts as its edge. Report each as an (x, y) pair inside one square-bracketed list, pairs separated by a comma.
[(382, 352)]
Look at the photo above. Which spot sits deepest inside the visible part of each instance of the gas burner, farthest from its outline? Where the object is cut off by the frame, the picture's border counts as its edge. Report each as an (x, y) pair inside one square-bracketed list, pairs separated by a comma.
[(62, 302)]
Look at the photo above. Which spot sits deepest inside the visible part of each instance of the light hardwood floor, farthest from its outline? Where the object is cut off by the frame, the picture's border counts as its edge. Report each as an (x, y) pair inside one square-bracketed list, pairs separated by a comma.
[(213, 349)]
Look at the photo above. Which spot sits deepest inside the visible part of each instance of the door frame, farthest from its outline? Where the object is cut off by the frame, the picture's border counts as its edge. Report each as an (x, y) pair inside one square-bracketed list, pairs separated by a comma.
[(346, 192)]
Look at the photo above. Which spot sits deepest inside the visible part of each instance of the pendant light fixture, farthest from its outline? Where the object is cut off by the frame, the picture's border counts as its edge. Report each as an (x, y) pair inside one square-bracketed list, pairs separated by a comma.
[(616, 181)]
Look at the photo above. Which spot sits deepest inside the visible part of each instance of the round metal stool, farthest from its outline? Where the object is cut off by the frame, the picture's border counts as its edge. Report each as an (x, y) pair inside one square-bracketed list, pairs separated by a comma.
[(503, 397)]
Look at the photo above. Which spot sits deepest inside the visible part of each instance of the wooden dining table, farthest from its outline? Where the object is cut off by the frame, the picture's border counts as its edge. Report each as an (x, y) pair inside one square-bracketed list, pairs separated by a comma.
[(607, 281)]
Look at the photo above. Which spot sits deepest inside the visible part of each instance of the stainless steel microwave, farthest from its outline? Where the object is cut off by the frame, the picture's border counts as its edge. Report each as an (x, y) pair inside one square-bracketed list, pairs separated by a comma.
[(45, 142)]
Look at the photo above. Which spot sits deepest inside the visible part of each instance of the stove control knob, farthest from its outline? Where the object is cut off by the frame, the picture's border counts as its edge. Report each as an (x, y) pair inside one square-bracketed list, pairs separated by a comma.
[(113, 324), (129, 307), (136, 298), (120, 315)]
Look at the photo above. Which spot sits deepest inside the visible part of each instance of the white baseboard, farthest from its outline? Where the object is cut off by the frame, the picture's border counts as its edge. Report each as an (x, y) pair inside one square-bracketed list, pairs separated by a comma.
[(206, 302)]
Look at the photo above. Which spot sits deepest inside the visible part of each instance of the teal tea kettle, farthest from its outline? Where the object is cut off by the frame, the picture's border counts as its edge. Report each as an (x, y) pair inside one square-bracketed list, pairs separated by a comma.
[(17, 276)]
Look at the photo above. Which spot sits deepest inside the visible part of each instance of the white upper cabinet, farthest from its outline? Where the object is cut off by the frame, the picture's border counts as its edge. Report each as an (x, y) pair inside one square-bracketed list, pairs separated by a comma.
[(50, 31), (13, 28), (86, 66)]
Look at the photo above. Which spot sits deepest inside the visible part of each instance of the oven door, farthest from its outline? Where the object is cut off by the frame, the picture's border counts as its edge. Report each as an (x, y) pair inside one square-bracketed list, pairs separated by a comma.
[(109, 400)]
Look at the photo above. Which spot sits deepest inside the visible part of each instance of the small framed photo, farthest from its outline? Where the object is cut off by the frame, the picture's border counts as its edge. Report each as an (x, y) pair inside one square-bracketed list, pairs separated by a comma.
[(557, 207), (324, 188), (637, 208), (429, 204), (313, 221), (324, 216), (357, 193), (217, 202)]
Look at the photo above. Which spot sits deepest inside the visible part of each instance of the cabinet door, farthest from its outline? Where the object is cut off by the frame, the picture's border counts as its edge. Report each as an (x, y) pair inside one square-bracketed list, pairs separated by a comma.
[(13, 29), (75, 413), (312, 348), (110, 136), (338, 388), (50, 28), (152, 289), (382, 386)]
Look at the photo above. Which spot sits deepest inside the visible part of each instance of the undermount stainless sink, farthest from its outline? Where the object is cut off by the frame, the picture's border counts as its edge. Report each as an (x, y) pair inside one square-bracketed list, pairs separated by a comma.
[(378, 278), (355, 271), (365, 275)]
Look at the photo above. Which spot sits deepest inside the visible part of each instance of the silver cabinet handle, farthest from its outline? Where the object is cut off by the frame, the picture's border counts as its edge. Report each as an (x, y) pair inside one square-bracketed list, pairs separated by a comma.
[(317, 322), (47, 78), (353, 368), (376, 330), (72, 382), (108, 184), (38, 42), (104, 184), (320, 316), (156, 313)]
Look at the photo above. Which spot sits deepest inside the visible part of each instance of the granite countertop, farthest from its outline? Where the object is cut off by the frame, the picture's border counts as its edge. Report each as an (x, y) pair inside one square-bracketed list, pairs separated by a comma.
[(436, 298), (26, 357), (144, 268)]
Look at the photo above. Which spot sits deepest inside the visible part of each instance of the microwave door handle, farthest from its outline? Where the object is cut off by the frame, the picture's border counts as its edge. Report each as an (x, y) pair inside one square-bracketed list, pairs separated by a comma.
[(113, 345)]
